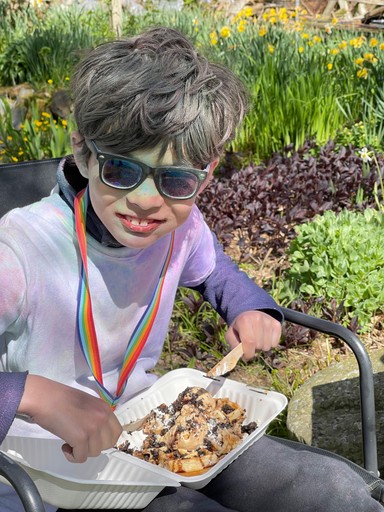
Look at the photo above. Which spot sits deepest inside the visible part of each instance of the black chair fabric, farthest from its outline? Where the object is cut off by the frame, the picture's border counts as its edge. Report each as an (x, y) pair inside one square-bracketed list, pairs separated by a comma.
[(26, 182)]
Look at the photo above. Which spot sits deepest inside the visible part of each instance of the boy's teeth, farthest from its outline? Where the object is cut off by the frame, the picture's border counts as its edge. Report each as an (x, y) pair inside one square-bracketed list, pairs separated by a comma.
[(139, 222)]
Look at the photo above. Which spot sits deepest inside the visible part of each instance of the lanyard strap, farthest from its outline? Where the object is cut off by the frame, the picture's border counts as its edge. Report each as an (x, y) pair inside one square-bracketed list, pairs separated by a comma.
[(85, 323)]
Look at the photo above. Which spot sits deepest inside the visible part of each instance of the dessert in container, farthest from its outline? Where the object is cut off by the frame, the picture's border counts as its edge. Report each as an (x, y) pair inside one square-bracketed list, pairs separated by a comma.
[(261, 406), (116, 480)]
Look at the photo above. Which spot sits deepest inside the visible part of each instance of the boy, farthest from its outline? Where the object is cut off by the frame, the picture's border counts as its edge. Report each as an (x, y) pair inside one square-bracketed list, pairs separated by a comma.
[(85, 271)]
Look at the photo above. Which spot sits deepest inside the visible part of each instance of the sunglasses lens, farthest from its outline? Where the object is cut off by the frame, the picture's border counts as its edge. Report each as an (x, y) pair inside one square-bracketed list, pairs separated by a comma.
[(121, 173), (178, 183)]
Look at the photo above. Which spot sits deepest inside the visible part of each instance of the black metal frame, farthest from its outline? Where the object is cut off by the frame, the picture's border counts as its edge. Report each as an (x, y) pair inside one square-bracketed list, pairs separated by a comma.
[(367, 394), (22, 483)]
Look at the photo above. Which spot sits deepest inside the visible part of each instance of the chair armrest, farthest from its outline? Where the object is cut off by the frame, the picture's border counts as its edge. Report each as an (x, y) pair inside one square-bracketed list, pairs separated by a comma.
[(367, 395), (22, 483)]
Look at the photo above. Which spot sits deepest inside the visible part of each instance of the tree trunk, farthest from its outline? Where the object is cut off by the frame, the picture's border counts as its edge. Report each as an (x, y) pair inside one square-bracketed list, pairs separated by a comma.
[(116, 17)]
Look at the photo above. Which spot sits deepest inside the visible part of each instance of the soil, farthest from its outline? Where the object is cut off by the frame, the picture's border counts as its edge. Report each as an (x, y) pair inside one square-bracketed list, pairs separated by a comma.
[(283, 370)]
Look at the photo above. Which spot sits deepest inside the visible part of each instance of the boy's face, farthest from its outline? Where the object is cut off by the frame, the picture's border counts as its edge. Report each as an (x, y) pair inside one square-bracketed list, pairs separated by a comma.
[(138, 218)]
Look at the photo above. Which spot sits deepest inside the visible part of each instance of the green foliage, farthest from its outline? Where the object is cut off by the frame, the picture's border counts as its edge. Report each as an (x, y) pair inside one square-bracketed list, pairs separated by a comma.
[(39, 137), (305, 84), (340, 257), (49, 48)]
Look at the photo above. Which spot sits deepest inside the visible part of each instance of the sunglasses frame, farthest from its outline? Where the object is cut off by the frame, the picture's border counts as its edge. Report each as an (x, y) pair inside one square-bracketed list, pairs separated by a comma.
[(102, 157)]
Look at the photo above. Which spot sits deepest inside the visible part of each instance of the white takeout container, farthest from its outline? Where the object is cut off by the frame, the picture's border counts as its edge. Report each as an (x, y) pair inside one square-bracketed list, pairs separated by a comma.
[(261, 406), (102, 482), (116, 480)]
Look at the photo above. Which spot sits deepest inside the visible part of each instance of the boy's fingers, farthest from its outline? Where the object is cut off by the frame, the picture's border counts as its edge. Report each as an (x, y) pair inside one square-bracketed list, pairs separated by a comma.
[(256, 331), (68, 452)]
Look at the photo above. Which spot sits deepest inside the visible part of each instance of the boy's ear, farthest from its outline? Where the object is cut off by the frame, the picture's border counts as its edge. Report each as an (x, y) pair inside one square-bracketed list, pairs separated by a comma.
[(212, 167), (77, 142)]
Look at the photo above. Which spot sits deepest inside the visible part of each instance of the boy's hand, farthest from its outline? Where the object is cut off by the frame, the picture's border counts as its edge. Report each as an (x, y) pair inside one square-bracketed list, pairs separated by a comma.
[(256, 331), (86, 423)]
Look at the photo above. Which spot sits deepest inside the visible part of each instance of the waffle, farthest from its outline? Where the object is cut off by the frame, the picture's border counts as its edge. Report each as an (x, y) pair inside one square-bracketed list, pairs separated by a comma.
[(192, 434)]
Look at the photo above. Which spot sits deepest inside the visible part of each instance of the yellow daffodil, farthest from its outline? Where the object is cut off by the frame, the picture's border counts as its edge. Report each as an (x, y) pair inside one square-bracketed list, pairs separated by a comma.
[(357, 42), (248, 12), (241, 26), (381, 46), (373, 42), (262, 31), (343, 45), (301, 49), (359, 61), (334, 51), (50, 81), (9, 138), (316, 39), (213, 38), (370, 57), (271, 48), (283, 15), (225, 32), (329, 66), (14, 159), (362, 73)]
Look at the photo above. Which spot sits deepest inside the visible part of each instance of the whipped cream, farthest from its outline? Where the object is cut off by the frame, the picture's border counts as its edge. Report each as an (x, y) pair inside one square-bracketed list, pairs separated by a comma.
[(135, 439)]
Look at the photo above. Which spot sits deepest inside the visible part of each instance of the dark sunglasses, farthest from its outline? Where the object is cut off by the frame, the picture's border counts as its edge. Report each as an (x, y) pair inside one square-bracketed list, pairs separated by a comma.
[(126, 173)]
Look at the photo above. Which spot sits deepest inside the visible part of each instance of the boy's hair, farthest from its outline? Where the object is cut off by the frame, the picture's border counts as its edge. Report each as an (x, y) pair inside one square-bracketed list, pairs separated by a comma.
[(154, 89)]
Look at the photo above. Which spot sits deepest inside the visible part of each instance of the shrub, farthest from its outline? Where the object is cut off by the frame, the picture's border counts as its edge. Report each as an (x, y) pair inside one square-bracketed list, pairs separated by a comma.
[(340, 257)]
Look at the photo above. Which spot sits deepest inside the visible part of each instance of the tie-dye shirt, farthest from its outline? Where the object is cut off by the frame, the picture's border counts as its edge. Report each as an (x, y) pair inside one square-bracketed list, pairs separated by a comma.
[(40, 273), (39, 284)]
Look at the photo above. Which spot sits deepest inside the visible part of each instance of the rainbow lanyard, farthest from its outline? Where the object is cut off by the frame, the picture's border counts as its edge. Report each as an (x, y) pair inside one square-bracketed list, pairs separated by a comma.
[(85, 323)]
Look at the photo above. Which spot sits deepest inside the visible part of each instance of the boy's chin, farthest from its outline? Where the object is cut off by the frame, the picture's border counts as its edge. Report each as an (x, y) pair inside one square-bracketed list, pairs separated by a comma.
[(137, 241)]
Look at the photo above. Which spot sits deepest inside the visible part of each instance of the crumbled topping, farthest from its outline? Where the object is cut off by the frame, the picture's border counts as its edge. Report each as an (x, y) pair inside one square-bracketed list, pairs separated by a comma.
[(191, 434)]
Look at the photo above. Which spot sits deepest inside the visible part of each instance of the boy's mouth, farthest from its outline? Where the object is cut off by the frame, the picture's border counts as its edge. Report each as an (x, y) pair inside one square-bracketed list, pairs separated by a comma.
[(138, 225)]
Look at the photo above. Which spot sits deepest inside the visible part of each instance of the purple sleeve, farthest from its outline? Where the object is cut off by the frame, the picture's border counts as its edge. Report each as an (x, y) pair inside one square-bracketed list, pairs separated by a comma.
[(11, 390), (231, 292)]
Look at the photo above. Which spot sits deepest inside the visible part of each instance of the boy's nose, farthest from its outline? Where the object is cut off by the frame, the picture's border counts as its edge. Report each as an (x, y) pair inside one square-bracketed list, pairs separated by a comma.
[(146, 195)]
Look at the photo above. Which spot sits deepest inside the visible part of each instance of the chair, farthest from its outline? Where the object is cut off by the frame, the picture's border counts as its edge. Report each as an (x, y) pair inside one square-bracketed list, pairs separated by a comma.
[(23, 183), (26, 182)]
